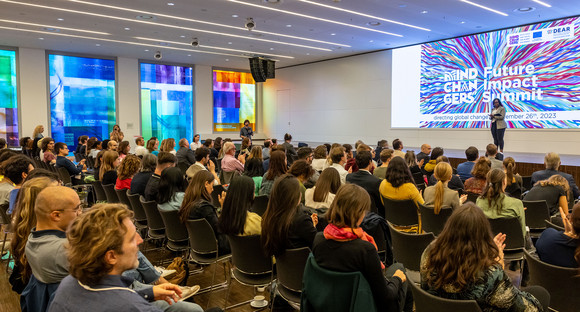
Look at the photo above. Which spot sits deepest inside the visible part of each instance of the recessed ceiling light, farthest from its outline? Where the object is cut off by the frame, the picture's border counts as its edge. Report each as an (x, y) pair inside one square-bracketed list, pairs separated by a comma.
[(271, 49), (40, 38), (145, 17), (333, 34), (371, 41), (146, 50), (424, 12), (182, 36), (462, 22), (484, 7), (374, 23), (525, 10), (542, 3), (235, 15), (230, 42), (170, 3), (307, 53), (60, 19), (189, 55), (127, 28), (98, 44), (288, 25), (227, 60)]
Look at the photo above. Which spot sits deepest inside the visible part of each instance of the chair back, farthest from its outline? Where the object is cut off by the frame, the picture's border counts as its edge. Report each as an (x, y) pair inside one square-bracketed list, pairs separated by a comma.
[(512, 229), (110, 193), (537, 212), (290, 268), (350, 291), (174, 229), (202, 238), (471, 197), (527, 182), (554, 226), (431, 222), (426, 302), (64, 175), (248, 255), (400, 212), (138, 209), (227, 176), (183, 167), (408, 248), (217, 191), (418, 178), (260, 204), (154, 221), (562, 283), (4, 218), (99, 191), (123, 199)]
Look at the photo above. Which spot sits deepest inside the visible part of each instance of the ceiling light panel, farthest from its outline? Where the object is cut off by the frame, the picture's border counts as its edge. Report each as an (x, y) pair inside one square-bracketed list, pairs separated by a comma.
[(484, 7), (542, 3), (54, 27)]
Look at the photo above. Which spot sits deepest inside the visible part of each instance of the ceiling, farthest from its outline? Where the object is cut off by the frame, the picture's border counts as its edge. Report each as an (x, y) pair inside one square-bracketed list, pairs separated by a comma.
[(290, 31)]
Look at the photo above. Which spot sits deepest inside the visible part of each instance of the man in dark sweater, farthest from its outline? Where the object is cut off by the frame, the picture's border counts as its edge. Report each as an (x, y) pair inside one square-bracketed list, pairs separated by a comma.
[(185, 155), (75, 171), (364, 178)]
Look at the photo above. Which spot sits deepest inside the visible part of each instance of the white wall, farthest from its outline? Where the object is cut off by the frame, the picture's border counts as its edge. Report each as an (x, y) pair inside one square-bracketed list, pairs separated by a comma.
[(348, 99), (33, 91)]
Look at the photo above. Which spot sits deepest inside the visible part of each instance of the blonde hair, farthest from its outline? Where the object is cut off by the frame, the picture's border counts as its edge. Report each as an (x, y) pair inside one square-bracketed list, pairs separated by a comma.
[(443, 173), (557, 180), (91, 236), (167, 145), (256, 152), (24, 220), (108, 162), (36, 131), (128, 167), (552, 161)]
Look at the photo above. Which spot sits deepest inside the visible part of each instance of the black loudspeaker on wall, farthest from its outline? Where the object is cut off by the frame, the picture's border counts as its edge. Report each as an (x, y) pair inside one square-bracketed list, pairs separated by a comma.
[(262, 69)]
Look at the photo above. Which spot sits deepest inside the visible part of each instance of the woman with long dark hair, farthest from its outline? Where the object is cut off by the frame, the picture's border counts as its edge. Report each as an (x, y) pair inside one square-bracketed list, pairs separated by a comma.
[(254, 169), (515, 183), (197, 204), (171, 189), (466, 262), (108, 169), (284, 224), (322, 194), (278, 167), (398, 183), (236, 218)]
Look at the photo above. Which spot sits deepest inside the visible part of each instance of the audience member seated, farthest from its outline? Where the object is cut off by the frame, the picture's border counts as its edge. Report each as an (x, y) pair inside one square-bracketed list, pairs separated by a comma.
[(464, 169), (423, 155), (322, 194), (345, 247), (47, 151), (108, 170), (320, 162), (302, 171), (123, 149), (554, 191), (413, 163), (236, 218), (266, 162), (307, 154), (440, 195), (552, 162), (61, 151), (476, 183), (491, 153), (55, 209), (171, 188), (126, 171), (495, 204), (385, 157), (349, 157), (152, 145), (202, 157), (164, 160), (195, 143), (278, 165), (430, 166), (466, 263), (105, 145), (514, 182), (15, 169), (337, 161), (229, 162), (253, 169), (95, 149), (24, 220), (562, 248), (36, 173), (139, 181), (285, 224), (213, 152), (364, 179), (381, 145), (197, 204), (140, 149), (455, 182), (98, 162), (244, 148), (399, 184), (266, 149), (398, 148), (96, 264), (168, 145), (81, 149), (112, 145), (290, 151)]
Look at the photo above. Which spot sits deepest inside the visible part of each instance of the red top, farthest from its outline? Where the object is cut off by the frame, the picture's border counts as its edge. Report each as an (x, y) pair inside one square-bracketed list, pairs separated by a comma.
[(123, 184)]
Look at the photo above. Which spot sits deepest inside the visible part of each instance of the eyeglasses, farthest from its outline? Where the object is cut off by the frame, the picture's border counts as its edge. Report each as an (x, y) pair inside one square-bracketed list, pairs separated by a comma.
[(76, 210)]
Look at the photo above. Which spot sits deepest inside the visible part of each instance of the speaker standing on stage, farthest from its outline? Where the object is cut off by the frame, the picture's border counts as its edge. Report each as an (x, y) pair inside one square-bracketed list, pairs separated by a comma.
[(498, 124)]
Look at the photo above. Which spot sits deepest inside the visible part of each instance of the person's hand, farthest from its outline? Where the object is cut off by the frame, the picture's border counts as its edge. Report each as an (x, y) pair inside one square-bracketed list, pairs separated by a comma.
[(242, 158), (168, 292), (221, 198), (400, 275), (314, 218), (350, 170), (82, 161), (499, 240), (462, 198), (421, 162), (568, 229), (211, 166)]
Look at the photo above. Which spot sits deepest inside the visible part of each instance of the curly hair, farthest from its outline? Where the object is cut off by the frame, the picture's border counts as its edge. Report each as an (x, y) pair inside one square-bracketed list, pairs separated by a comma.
[(128, 167)]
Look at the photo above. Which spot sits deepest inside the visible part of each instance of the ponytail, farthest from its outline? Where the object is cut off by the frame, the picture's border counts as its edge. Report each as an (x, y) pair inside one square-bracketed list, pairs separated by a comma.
[(439, 191), (509, 164)]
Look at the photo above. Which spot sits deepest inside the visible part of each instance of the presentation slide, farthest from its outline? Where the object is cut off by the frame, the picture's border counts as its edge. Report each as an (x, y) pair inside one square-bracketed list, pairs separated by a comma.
[(534, 70), (8, 98), (234, 100), (82, 98), (166, 102)]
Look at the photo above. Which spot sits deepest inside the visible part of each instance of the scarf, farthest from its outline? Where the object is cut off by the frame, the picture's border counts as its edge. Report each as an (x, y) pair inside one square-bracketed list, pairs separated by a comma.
[(346, 234)]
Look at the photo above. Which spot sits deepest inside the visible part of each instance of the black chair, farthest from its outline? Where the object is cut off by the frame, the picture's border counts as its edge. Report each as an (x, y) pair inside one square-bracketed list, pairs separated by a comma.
[(431, 222), (182, 167), (177, 237), (514, 243), (408, 248), (137, 207), (471, 197), (64, 176), (111, 194), (527, 182), (204, 251), (260, 204), (290, 269), (554, 226), (537, 212), (562, 283), (252, 267), (418, 178), (227, 176), (154, 222), (99, 191), (123, 199), (426, 302), (217, 191), (400, 212)]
